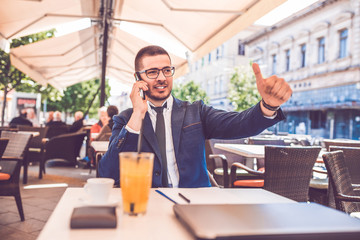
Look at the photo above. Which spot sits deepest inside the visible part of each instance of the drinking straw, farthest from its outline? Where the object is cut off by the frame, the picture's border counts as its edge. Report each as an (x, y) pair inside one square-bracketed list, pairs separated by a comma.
[(139, 144)]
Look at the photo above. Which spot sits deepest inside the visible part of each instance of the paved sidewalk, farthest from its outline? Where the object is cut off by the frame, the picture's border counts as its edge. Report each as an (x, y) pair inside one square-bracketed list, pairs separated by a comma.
[(38, 203)]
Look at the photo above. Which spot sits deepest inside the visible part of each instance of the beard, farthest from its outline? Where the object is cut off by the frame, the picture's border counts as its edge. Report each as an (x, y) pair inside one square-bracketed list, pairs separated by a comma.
[(157, 98)]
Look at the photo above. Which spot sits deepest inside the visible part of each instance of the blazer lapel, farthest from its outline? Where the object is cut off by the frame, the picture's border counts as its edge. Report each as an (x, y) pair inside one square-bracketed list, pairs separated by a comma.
[(149, 135), (177, 119)]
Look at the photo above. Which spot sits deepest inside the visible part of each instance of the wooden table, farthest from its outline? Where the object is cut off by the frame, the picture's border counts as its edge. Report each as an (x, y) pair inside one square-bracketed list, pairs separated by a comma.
[(34, 134), (159, 221)]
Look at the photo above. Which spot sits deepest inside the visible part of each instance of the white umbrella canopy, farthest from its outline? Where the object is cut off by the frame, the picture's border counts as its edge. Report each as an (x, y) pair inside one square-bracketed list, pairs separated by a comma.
[(72, 58), (196, 26), (24, 17)]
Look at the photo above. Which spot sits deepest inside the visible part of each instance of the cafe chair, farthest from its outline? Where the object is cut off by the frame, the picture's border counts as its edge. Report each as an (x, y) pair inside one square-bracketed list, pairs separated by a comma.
[(10, 165), (65, 146), (218, 161), (54, 131), (17, 148), (265, 141), (347, 195), (352, 161), (35, 146), (287, 172)]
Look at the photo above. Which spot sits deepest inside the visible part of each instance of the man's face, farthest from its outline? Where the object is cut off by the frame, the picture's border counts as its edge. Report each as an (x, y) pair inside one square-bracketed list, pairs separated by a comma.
[(159, 88)]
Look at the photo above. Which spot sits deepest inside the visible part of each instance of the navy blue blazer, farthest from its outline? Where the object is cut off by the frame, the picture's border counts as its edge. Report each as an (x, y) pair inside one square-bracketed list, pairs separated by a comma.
[(191, 124)]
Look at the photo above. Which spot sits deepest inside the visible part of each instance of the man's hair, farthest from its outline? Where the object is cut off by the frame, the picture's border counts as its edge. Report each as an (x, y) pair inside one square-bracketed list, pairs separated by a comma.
[(112, 110), (151, 50)]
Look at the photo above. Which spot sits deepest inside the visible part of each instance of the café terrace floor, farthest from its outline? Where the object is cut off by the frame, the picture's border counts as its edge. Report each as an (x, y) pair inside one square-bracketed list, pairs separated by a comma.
[(38, 203)]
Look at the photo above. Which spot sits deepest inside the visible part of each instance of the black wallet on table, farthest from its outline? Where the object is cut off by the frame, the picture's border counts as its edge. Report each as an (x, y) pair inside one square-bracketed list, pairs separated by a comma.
[(93, 217)]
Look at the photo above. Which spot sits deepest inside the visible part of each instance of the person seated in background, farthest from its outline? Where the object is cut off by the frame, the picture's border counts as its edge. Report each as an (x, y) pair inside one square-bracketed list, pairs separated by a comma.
[(105, 132), (50, 118), (20, 120), (102, 128), (78, 123), (103, 120), (31, 115), (57, 120)]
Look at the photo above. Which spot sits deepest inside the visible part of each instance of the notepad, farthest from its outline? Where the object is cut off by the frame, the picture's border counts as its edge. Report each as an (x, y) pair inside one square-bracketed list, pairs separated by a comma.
[(267, 221)]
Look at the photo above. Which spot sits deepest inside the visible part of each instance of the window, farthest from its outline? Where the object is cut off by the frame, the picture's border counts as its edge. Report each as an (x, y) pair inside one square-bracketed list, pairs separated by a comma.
[(318, 119), (217, 53), (274, 64), (343, 43), (221, 83), (216, 87), (287, 60), (321, 50), (303, 55), (241, 48), (209, 58)]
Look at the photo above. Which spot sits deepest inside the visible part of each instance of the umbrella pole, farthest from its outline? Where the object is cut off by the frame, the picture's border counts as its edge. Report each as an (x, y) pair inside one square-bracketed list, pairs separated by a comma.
[(108, 11)]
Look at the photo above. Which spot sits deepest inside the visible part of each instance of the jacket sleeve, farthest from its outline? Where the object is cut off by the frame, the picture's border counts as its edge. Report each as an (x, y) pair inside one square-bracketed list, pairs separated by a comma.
[(231, 125), (121, 141)]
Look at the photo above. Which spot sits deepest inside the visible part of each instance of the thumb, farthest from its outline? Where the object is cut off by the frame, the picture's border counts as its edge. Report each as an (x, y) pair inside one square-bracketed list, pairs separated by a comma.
[(257, 71)]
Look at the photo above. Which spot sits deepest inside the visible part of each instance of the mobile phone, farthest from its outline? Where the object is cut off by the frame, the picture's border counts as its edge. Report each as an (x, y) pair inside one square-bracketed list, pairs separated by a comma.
[(138, 78)]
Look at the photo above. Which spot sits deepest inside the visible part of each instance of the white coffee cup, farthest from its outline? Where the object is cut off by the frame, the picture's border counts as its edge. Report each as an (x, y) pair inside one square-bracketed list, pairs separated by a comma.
[(99, 189)]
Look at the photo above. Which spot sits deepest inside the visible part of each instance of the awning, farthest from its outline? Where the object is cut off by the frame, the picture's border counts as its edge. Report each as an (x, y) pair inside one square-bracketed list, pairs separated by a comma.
[(72, 58), (199, 26)]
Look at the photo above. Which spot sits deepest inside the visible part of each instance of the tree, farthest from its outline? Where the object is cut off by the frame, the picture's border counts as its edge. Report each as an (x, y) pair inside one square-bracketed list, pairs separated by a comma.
[(10, 77), (79, 97), (190, 91), (74, 98), (243, 92)]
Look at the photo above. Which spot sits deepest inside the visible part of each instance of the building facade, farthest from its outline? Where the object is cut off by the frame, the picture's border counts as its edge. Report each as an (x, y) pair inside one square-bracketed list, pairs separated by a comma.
[(213, 71), (317, 51)]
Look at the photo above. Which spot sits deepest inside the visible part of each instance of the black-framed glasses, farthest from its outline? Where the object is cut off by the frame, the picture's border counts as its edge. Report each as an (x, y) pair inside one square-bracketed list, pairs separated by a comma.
[(153, 73)]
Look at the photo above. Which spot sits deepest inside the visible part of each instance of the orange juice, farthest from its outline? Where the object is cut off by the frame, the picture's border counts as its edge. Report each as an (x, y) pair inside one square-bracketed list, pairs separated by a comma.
[(135, 180)]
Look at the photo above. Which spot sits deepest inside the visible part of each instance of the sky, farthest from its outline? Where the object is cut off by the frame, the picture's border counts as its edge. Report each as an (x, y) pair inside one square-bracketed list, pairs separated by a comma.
[(285, 10)]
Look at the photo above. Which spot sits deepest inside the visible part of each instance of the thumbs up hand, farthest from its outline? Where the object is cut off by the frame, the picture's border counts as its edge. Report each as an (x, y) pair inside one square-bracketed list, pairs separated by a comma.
[(274, 90)]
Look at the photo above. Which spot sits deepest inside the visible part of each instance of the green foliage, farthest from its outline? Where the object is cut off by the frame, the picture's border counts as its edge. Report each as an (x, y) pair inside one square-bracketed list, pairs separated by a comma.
[(78, 97), (243, 92), (75, 98), (190, 91), (10, 77)]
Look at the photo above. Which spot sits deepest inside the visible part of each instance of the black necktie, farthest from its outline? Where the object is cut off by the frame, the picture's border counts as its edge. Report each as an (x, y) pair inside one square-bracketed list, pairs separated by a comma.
[(160, 135)]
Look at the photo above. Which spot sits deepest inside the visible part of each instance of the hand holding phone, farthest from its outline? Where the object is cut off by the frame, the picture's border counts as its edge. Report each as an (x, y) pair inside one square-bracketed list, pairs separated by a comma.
[(138, 78)]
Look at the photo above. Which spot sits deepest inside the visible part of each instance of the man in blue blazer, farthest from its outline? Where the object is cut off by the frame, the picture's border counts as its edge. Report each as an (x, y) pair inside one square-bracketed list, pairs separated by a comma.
[(181, 162)]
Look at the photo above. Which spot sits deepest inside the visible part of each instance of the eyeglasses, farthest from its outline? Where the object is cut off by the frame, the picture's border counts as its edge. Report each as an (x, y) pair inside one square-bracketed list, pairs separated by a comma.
[(153, 73)]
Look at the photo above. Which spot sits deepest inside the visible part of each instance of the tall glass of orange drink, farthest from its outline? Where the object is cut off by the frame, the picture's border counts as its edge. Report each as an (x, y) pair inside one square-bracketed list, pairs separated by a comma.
[(135, 181)]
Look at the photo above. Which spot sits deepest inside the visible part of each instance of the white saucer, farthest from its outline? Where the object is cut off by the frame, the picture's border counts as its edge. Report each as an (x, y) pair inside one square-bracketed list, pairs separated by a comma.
[(110, 202)]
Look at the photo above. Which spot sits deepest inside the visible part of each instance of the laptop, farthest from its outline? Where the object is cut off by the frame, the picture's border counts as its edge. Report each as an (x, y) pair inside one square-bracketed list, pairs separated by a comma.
[(278, 221)]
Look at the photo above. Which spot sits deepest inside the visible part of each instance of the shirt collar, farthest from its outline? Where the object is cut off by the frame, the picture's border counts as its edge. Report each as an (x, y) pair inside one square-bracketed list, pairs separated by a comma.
[(169, 101)]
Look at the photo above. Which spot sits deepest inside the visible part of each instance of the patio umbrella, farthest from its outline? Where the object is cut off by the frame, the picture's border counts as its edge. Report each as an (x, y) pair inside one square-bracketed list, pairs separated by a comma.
[(198, 26)]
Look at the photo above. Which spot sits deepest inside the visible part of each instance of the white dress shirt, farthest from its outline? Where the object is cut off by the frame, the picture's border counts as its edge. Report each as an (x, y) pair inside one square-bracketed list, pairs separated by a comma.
[(173, 172)]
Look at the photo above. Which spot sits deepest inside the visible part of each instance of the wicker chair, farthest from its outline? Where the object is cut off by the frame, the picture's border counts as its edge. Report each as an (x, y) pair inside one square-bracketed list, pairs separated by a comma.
[(287, 170), (11, 162), (218, 161), (347, 199), (65, 146), (352, 161), (35, 146), (57, 130), (17, 147)]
